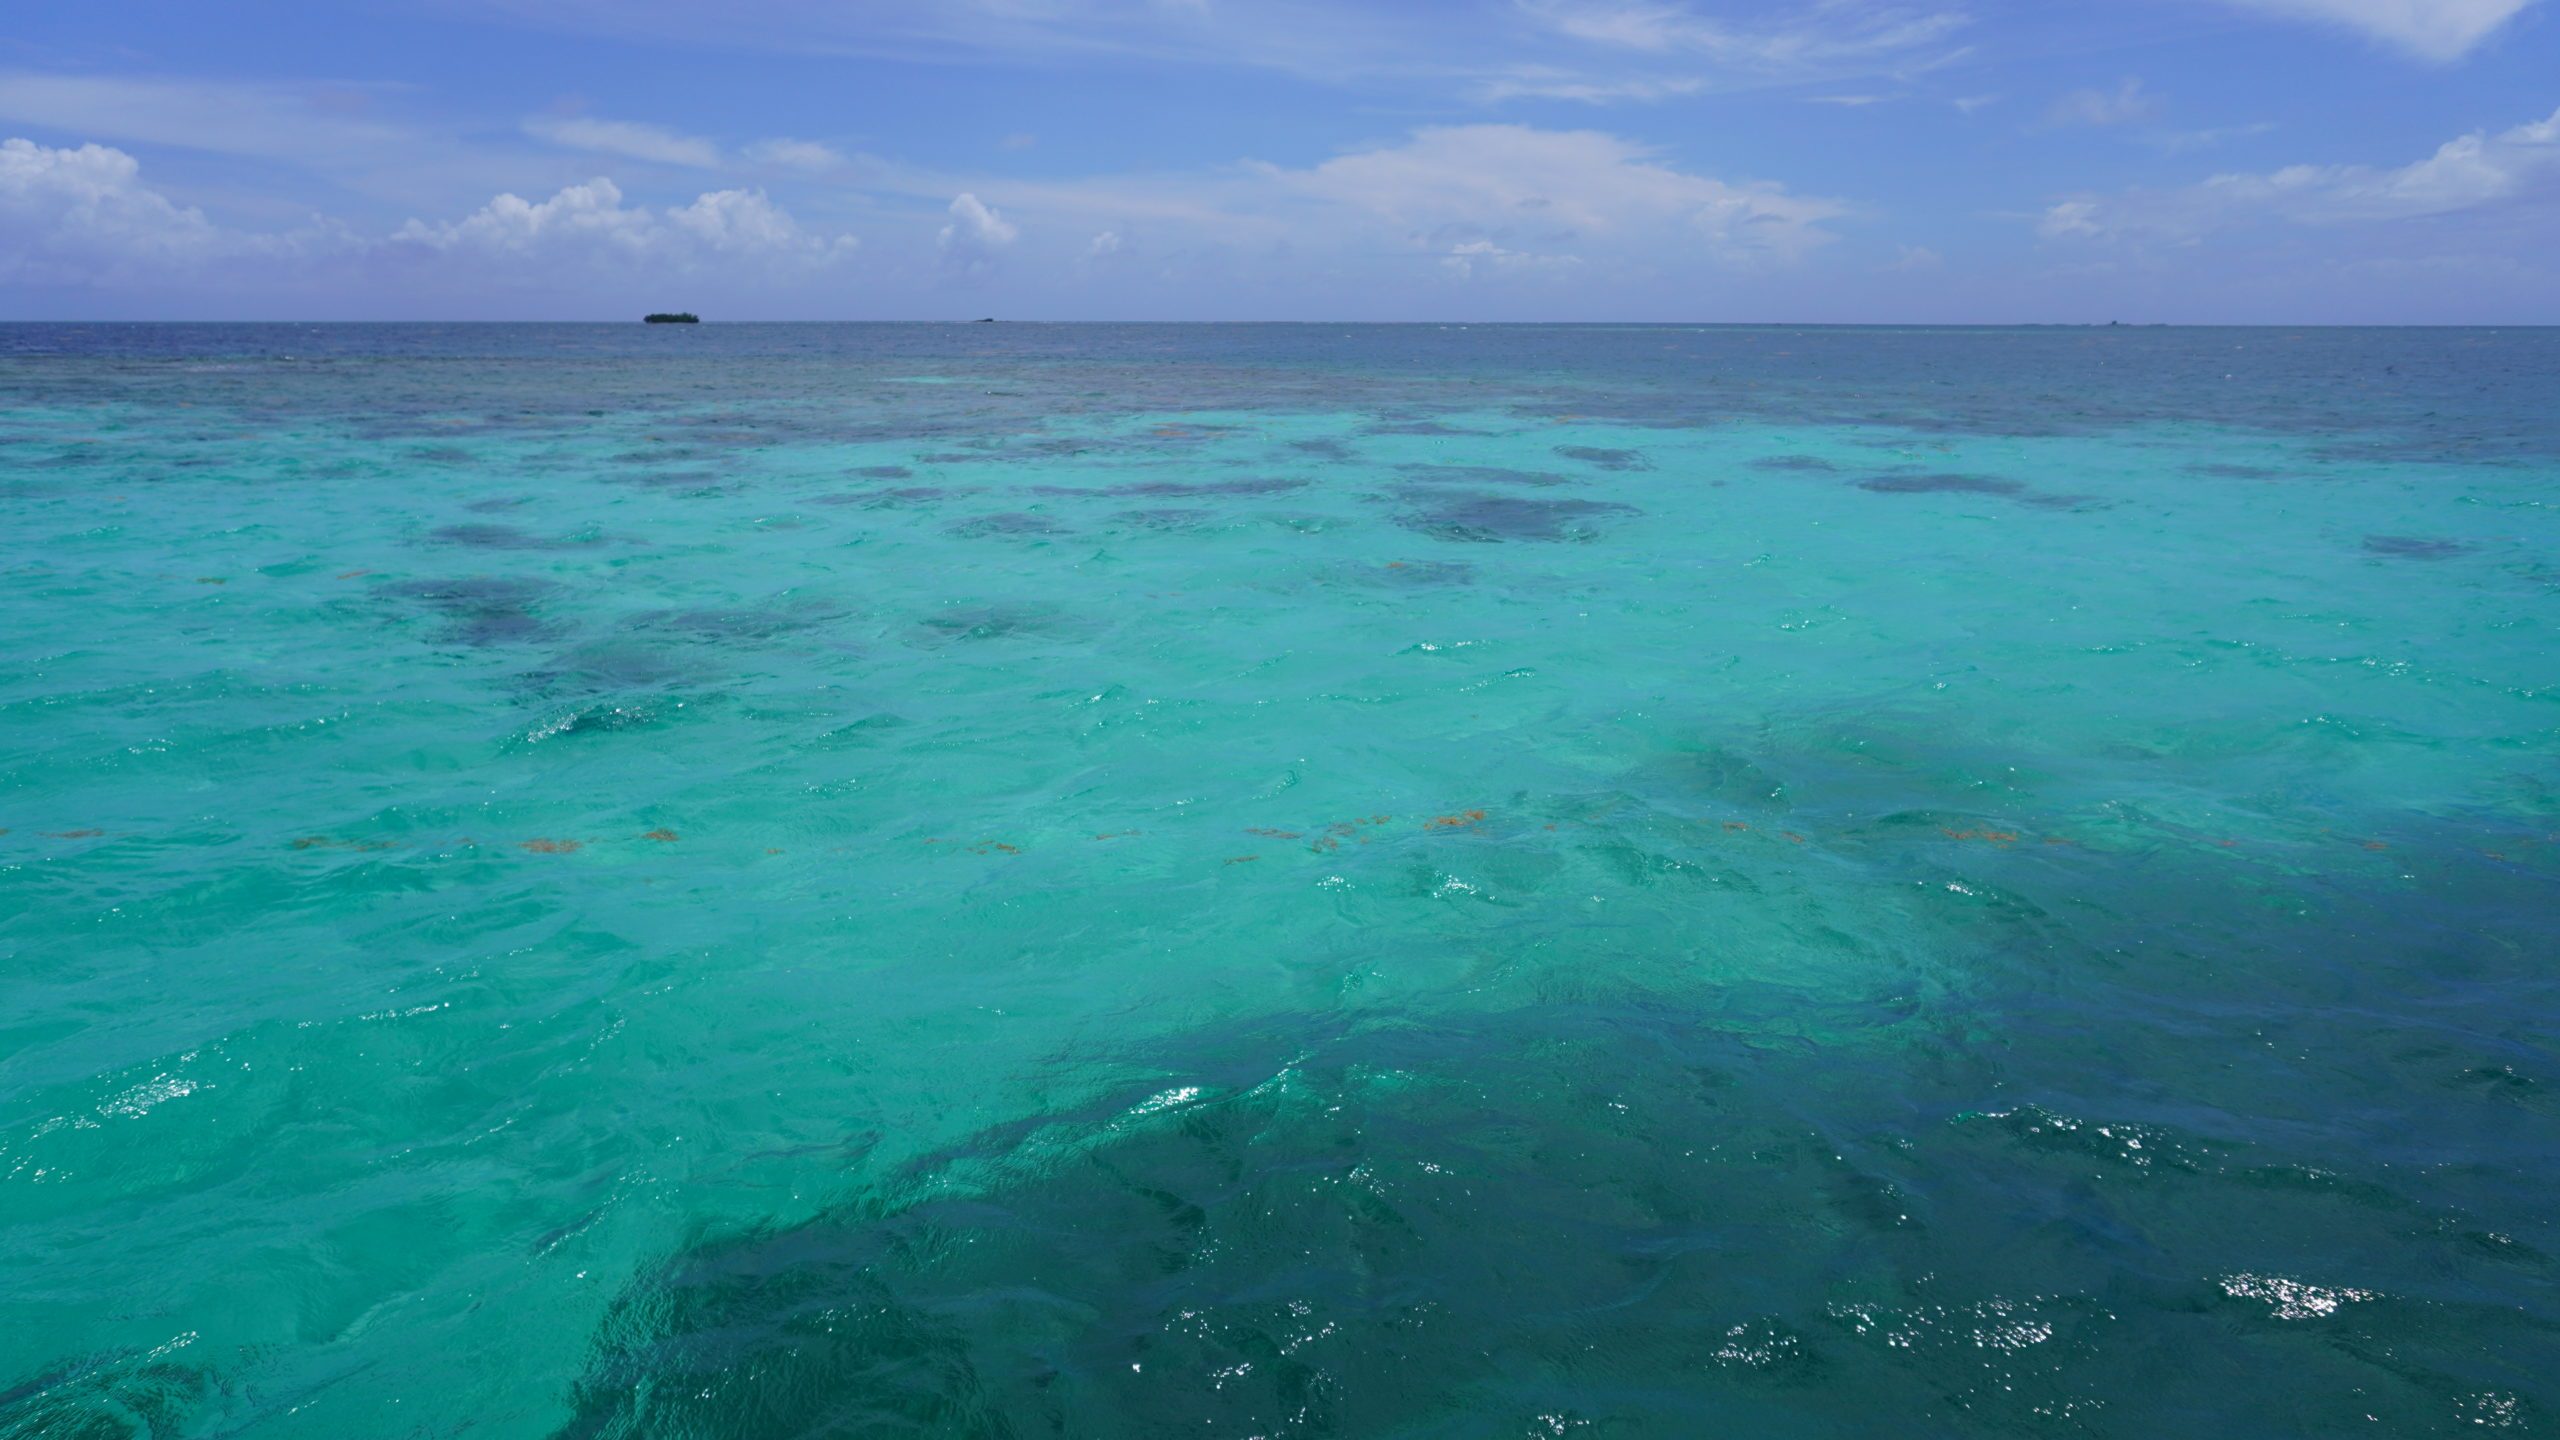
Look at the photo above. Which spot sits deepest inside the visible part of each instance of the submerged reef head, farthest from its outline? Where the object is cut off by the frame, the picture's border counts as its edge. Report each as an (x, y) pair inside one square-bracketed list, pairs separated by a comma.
[(1416, 427), (1008, 523), (898, 499), (962, 623), (1417, 574), (1486, 519), (481, 610), (2413, 547), (733, 625), (609, 666), (503, 537), (1167, 520), (1605, 458), (1940, 485), (1483, 475)]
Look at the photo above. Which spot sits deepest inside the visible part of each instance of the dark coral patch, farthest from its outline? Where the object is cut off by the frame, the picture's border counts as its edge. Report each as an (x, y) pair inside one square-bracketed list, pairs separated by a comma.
[(1421, 574), (986, 622), (1483, 475), (1417, 427), (1940, 485), (1009, 523), (887, 499), (1180, 487), (728, 625), (481, 610), (1168, 520), (609, 666), (1606, 459), (503, 537), (1489, 519), (2413, 547), (695, 481)]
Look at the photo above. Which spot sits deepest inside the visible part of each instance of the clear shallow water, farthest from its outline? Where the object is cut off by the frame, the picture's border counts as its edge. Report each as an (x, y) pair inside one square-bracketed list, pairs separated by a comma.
[(1277, 881)]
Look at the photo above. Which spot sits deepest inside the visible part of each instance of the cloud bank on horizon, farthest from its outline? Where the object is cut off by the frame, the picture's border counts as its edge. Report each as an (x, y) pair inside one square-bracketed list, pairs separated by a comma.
[(2295, 161)]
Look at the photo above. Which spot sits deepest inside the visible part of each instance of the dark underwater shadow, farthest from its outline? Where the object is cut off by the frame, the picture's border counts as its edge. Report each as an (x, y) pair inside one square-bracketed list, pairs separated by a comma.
[(2414, 547), (1605, 458), (1356, 1231), (1979, 485), (505, 537), (971, 624), (482, 610), (1009, 523), (1633, 1217), (1487, 519), (1777, 1211), (1940, 485), (1180, 488), (1484, 475)]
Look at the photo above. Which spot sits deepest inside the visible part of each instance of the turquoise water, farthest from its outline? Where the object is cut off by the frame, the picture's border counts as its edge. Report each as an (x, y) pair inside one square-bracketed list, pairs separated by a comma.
[(793, 881)]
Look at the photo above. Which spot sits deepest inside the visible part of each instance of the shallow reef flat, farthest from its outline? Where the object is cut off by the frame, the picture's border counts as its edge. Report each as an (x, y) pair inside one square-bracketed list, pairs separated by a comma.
[(1384, 881)]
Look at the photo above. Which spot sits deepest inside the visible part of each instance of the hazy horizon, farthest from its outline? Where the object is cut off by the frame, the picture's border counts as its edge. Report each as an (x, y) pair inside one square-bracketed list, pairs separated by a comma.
[(1448, 161)]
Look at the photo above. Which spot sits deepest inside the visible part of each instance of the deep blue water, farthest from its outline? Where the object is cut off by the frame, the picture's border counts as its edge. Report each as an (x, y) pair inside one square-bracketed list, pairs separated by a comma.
[(1278, 881)]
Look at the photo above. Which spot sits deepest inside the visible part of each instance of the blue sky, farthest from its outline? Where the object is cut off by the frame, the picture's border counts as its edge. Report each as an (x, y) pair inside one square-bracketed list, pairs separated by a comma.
[(2278, 161)]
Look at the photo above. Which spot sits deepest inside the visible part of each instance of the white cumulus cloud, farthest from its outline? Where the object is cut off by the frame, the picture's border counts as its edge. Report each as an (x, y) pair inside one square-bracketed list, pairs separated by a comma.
[(976, 235), (588, 225), (1555, 192), (84, 217)]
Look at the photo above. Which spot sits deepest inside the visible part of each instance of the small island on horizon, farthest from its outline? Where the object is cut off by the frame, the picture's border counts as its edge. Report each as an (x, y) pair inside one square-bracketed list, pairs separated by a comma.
[(671, 317)]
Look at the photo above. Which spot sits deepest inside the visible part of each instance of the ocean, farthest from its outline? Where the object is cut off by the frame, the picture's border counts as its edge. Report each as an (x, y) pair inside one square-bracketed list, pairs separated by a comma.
[(1118, 881)]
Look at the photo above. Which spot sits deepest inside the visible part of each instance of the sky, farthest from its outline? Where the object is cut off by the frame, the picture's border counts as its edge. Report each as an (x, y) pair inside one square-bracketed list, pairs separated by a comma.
[(1816, 161)]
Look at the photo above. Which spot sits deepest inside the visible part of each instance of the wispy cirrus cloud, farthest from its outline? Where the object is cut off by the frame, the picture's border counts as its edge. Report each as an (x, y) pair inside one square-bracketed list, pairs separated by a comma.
[(1547, 82), (2435, 30), (1635, 50), (1816, 37), (625, 138), (2123, 105), (271, 121), (1506, 208), (2474, 172), (782, 153), (1485, 50), (1326, 38)]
